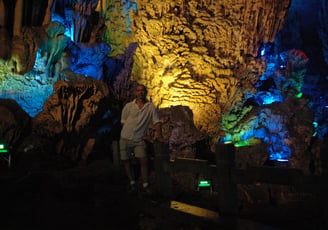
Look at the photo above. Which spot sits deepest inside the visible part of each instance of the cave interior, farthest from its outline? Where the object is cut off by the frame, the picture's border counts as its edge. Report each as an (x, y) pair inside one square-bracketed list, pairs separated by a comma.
[(248, 74)]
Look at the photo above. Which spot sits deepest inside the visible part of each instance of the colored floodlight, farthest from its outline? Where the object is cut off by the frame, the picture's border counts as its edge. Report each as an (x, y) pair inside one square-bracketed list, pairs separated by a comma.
[(204, 184), (3, 148)]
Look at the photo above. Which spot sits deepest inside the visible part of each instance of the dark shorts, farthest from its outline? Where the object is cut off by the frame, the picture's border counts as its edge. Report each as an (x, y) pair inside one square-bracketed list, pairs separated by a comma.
[(129, 149)]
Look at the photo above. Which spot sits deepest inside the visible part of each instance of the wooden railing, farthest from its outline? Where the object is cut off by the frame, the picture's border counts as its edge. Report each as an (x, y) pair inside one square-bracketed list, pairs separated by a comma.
[(227, 176)]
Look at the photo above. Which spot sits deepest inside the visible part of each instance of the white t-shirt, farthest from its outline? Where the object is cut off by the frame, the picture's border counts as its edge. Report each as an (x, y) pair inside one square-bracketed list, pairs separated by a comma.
[(136, 121)]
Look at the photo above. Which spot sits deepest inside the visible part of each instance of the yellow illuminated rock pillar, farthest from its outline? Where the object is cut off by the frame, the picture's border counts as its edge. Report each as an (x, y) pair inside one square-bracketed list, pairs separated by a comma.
[(101, 6)]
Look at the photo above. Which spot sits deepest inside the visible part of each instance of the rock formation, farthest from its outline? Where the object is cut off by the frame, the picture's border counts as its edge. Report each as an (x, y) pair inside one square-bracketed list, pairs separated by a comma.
[(15, 123), (200, 54), (72, 116), (192, 53)]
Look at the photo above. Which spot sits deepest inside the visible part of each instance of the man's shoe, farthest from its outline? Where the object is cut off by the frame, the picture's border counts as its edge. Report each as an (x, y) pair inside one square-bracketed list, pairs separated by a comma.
[(146, 191), (132, 189)]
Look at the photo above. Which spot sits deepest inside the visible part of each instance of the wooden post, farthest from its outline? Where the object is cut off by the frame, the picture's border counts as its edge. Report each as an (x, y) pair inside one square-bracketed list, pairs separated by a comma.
[(227, 189), (161, 164)]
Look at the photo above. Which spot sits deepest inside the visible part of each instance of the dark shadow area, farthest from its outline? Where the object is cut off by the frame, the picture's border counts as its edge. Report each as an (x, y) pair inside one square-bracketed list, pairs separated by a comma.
[(94, 196)]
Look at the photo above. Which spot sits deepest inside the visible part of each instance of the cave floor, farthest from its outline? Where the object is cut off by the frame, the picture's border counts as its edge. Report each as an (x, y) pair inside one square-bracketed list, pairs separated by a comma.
[(94, 196)]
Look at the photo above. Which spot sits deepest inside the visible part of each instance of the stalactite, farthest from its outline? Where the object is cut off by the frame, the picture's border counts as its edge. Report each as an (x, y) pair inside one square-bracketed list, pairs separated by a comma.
[(47, 16), (2, 14), (100, 7), (18, 18)]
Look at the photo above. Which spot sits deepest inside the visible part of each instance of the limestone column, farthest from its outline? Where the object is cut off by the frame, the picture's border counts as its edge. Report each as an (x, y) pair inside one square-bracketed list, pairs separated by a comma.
[(18, 17), (47, 16), (100, 7), (2, 13)]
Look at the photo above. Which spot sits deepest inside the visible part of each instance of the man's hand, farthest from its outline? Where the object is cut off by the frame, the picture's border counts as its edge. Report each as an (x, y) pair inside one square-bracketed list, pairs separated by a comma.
[(159, 138), (158, 133)]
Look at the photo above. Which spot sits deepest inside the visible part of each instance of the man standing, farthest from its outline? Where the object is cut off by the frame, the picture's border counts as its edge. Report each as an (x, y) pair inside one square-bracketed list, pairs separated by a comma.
[(136, 116)]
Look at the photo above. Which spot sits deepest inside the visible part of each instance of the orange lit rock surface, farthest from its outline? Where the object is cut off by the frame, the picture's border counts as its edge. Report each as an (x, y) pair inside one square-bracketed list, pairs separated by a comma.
[(201, 54)]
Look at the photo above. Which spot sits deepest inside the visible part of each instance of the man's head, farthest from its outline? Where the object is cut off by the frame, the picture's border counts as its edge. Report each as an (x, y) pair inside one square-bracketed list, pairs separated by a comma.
[(141, 92)]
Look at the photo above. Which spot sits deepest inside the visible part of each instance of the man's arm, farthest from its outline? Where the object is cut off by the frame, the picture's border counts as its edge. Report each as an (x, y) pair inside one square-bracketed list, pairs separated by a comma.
[(158, 125), (158, 132), (124, 114)]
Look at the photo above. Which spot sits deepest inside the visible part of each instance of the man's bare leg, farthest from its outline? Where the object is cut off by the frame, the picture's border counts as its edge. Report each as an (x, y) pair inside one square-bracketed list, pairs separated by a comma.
[(144, 170), (129, 171)]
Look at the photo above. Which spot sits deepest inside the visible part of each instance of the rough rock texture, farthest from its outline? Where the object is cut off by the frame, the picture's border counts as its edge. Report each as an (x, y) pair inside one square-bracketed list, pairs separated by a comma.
[(88, 59), (191, 53), (194, 53), (15, 123), (4, 41), (72, 116), (54, 44), (20, 27), (23, 51), (21, 41), (251, 156), (118, 19), (198, 58), (178, 128), (197, 54)]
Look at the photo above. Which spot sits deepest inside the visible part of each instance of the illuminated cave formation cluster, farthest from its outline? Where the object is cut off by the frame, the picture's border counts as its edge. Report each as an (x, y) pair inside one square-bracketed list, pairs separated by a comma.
[(210, 57), (261, 116)]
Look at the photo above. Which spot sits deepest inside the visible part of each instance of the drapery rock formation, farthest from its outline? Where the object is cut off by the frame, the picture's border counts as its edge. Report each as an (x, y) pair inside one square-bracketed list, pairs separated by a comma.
[(72, 116), (15, 123), (31, 29)]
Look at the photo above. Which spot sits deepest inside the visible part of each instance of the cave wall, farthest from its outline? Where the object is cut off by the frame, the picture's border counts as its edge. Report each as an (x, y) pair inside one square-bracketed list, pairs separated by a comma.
[(200, 54), (204, 55)]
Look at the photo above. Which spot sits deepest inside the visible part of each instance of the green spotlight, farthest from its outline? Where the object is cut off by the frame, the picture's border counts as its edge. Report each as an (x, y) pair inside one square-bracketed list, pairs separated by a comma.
[(3, 148), (204, 184), (241, 144), (299, 95)]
